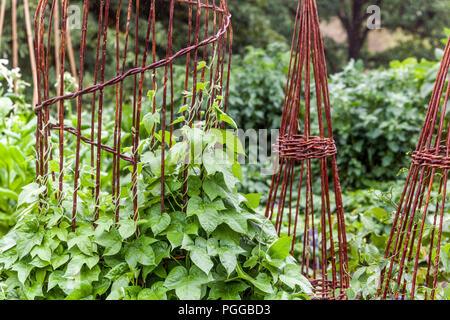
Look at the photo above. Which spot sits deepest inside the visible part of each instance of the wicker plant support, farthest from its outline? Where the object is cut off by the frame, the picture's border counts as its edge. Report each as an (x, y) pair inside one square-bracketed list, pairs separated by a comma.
[(421, 208), (317, 228), (208, 38)]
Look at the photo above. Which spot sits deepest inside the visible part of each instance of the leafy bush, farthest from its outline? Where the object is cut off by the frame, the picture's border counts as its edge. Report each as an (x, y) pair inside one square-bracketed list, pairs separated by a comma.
[(219, 249), (16, 145)]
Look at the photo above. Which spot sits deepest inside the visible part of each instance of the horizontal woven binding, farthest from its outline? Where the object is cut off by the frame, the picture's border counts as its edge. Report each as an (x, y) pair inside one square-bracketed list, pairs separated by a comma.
[(430, 158), (299, 147)]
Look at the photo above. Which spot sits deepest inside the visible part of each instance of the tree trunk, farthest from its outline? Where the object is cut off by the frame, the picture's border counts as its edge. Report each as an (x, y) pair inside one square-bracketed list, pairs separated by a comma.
[(56, 24)]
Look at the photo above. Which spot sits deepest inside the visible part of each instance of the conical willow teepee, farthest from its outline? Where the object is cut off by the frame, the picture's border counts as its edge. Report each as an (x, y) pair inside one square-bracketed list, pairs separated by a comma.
[(307, 165), (414, 246)]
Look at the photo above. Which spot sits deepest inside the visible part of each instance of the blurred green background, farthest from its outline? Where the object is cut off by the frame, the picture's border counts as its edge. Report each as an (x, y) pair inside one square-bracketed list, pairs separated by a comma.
[(408, 28)]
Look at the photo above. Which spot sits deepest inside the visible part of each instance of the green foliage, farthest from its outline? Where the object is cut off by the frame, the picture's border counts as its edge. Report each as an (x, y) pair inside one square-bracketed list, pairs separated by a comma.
[(377, 114), (16, 145), (369, 215), (219, 249)]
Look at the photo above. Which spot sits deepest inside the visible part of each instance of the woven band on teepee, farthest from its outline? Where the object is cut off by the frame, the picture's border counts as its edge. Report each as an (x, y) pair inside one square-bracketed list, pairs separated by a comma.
[(429, 158), (299, 147)]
